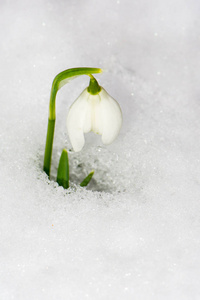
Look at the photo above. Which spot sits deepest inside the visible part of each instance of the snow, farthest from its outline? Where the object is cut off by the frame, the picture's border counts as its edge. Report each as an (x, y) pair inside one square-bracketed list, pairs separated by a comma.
[(134, 233)]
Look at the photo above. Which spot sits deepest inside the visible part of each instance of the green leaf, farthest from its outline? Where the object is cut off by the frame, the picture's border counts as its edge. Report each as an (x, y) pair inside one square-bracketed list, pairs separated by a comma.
[(63, 170), (87, 179)]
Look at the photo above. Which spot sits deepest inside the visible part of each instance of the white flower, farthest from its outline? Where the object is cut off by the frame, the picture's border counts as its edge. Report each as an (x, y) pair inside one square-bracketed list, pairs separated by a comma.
[(99, 113)]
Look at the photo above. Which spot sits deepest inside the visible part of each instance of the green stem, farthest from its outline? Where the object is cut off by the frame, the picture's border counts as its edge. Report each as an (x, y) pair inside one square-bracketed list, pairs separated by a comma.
[(48, 148), (60, 80)]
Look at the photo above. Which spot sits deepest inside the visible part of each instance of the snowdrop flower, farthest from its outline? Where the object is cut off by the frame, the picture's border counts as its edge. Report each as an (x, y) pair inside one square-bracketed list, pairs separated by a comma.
[(94, 110)]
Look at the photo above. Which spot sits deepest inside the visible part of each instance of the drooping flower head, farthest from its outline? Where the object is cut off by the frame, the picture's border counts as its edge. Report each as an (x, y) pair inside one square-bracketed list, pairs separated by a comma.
[(94, 110)]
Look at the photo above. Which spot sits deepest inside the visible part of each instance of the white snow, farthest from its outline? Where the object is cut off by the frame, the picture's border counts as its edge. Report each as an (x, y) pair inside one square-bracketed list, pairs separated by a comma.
[(134, 233)]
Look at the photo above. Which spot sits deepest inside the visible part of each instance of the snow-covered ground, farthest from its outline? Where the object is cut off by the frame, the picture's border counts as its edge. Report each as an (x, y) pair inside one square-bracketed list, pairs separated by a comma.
[(134, 233)]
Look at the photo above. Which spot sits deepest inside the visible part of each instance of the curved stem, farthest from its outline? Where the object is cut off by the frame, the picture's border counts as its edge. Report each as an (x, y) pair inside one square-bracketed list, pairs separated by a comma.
[(60, 80)]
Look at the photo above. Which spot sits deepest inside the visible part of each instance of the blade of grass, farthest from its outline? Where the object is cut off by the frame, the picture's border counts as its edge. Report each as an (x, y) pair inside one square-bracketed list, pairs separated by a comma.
[(63, 170), (87, 179)]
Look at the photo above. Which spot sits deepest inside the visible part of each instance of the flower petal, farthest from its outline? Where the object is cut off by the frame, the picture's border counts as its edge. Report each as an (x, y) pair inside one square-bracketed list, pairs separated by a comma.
[(96, 113), (79, 121), (111, 117)]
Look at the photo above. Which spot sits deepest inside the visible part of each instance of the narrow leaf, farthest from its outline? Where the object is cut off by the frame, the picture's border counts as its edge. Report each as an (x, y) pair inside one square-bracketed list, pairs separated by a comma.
[(87, 179), (63, 170)]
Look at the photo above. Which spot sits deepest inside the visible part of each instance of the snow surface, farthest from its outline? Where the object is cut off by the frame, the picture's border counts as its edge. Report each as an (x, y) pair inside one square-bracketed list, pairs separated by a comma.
[(134, 233)]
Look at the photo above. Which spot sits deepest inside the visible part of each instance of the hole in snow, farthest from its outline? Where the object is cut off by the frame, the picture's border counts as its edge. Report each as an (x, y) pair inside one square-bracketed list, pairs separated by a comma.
[(109, 169)]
